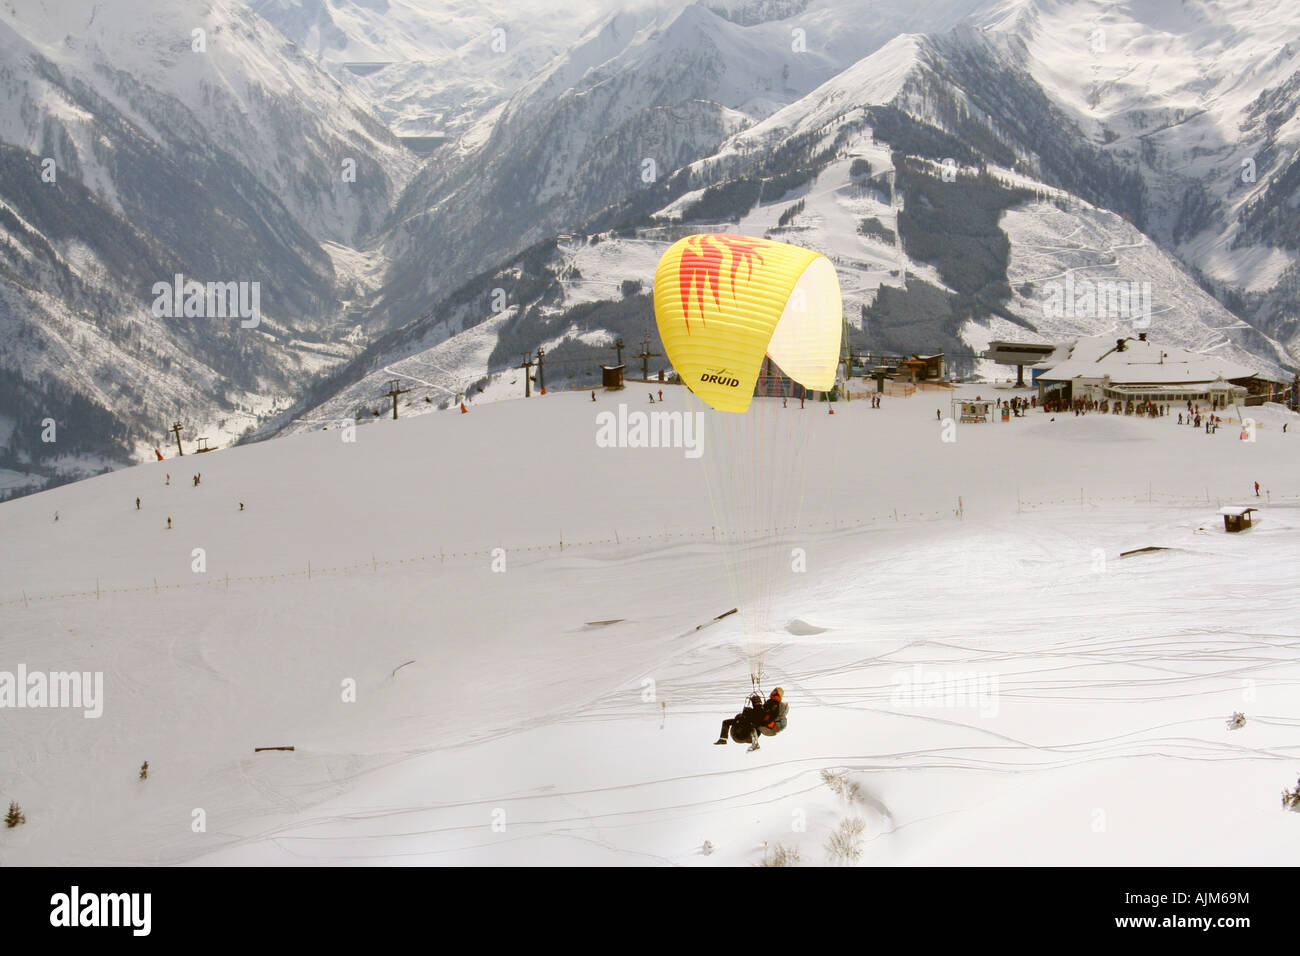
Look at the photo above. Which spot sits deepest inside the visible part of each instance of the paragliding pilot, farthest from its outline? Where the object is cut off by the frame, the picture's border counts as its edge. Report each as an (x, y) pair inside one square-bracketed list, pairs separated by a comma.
[(768, 719)]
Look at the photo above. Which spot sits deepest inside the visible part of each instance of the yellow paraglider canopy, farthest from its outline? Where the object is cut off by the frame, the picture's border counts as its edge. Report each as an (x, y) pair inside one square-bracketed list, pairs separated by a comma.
[(724, 302)]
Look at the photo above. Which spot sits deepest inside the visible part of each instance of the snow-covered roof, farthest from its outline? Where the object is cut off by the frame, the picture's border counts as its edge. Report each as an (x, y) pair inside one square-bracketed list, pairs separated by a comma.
[(1142, 362), (1237, 510), (1058, 356), (1176, 388)]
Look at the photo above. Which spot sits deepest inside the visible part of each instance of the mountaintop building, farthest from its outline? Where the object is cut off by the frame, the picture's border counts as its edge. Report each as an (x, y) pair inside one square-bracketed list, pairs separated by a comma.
[(1139, 370)]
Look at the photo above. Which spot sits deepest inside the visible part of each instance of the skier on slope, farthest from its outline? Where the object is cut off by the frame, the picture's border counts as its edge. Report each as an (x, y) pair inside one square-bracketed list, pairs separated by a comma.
[(768, 719)]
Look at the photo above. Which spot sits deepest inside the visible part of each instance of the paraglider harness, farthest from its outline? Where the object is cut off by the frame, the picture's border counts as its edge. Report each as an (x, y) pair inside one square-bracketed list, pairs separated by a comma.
[(754, 702), (765, 715), (757, 718)]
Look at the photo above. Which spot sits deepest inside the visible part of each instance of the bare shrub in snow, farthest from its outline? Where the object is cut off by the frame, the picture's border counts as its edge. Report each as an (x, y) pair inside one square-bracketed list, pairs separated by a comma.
[(781, 855), (847, 843), (1291, 798), (842, 786), (1237, 721)]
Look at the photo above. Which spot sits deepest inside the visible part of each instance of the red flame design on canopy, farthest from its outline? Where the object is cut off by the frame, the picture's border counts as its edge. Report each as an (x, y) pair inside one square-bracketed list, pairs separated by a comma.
[(701, 265)]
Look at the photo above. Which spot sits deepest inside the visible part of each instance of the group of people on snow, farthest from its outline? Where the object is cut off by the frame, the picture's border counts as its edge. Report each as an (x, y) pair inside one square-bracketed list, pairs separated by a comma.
[(196, 478)]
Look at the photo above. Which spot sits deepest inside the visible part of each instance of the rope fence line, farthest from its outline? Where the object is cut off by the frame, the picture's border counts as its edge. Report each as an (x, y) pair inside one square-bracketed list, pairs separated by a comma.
[(1153, 497), (836, 524)]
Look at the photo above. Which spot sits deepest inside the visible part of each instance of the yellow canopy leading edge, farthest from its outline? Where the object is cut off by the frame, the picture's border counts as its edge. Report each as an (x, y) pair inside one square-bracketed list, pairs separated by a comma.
[(724, 302)]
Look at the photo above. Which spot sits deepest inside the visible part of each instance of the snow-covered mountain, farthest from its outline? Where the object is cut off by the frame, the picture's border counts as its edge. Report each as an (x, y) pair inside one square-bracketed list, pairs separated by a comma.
[(857, 169), (1200, 98), (193, 142), (432, 70), (565, 150), (646, 91), (210, 76)]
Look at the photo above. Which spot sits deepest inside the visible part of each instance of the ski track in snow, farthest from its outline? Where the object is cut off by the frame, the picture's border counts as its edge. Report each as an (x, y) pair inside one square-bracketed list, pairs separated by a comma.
[(1001, 754)]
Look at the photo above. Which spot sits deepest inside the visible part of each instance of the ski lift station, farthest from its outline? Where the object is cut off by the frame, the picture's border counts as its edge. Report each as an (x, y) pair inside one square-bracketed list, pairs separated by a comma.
[(1019, 354)]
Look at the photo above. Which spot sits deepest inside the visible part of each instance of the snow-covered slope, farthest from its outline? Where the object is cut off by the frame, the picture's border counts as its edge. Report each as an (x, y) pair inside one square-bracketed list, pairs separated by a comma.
[(1047, 242), (987, 681), (1201, 98)]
